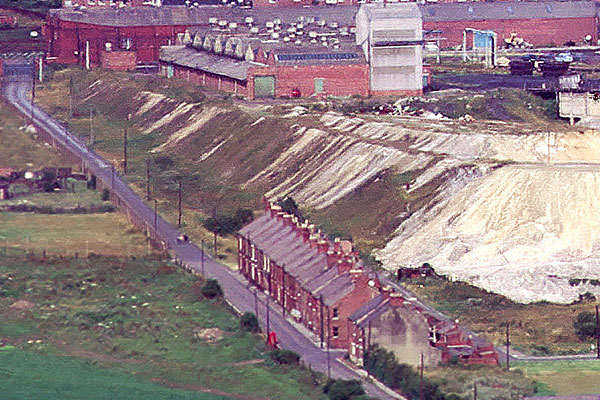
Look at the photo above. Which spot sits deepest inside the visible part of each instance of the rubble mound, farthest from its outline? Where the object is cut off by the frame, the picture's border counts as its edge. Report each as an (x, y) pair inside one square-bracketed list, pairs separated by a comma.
[(524, 231), (209, 335), (22, 305)]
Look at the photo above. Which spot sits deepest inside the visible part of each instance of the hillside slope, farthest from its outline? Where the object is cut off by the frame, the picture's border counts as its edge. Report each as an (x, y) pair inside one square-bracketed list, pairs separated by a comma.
[(482, 201)]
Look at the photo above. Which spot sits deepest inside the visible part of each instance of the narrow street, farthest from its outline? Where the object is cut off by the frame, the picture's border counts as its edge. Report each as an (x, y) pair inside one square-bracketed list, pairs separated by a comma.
[(237, 292)]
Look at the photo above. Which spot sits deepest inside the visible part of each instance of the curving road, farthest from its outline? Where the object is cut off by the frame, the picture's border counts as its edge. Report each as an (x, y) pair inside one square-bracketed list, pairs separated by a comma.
[(237, 292)]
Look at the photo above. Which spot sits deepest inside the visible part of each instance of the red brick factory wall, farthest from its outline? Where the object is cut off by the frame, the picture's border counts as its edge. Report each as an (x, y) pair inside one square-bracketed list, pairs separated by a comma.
[(537, 31), (67, 40), (118, 60), (339, 80)]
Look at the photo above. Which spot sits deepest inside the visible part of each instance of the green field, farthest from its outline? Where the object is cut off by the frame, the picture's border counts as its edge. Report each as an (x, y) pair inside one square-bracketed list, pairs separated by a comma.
[(563, 377), (67, 234), (30, 375), (135, 317)]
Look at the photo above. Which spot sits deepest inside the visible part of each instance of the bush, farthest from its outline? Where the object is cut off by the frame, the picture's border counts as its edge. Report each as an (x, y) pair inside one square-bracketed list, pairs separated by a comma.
[(343, 390), (105, 195), (285, 357), (212, 289), (585, 325), (249, 322)]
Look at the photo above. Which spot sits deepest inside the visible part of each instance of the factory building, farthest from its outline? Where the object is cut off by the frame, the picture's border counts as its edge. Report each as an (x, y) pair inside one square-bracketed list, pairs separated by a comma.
[(392, 38)]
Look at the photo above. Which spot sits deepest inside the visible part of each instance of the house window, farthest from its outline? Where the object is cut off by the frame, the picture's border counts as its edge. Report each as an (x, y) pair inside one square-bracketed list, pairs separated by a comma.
[(126, 44), (319, 85), (336, 313), (336, 332)]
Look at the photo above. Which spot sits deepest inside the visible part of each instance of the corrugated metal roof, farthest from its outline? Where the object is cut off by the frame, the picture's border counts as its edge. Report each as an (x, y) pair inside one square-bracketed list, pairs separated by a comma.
[(375, 11), (473, 11), (213, 63), (181, 15)]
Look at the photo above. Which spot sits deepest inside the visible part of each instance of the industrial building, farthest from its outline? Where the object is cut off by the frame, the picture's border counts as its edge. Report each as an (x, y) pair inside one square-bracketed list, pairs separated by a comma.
[(392, 38)]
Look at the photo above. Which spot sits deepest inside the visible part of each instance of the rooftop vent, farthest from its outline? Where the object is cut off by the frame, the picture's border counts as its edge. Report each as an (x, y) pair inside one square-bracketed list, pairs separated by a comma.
[(249, 20), (213, 20)]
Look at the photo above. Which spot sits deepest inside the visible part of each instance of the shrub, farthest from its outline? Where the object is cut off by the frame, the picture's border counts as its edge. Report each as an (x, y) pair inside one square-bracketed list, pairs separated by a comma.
[(105, 195), (585, 325), (343, 390), (285, 357), (212, 289), (249, 322)]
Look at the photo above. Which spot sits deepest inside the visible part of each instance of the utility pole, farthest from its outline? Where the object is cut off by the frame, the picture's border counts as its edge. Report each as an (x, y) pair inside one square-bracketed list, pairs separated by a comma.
[(322, 324), (268, 322), (125, 151), (112, 177), (71, 97), (507, 347), (597, 332), (283, 290), (155, 215), (474, 390), (421, 379), (91, 128), (202, 259), (180, 190), (215, 232), (255, 302), (328, 336), (32, 91), (148, 180)]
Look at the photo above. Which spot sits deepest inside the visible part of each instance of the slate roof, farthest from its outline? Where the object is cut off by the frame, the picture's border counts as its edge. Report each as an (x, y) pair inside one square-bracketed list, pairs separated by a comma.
[(473, 11), (366, 312), (210, 62), (284, 247)]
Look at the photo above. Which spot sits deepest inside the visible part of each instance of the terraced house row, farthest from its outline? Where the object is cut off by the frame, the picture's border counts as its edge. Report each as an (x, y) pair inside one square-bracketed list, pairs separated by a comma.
[(324, 285)]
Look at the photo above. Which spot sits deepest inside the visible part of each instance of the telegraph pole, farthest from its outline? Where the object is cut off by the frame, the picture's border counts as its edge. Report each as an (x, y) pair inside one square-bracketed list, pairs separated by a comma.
[(474, 390), (125, 151), (328, 336), (507, 347), (202, 260), (32, 90), (268, 324), (421, 379), (91, 128), (71, 97), (283, 290), (155, 215), (597, 332), (148, 179), (180, 190)]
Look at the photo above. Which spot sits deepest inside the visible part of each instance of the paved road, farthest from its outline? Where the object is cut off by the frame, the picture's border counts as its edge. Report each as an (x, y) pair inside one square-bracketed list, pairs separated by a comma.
[(237, 292)]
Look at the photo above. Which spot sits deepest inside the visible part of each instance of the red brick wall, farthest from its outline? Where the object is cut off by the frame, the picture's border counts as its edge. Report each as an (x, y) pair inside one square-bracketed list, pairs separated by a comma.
[(339, 80), (536, 31), (66, 40), (357, 298), (212, 81), (296, 3), (118, 60)]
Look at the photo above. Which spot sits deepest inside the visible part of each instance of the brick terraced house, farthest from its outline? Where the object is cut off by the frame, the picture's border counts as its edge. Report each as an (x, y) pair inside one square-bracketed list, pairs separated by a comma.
[(323, 285), (317, 282)]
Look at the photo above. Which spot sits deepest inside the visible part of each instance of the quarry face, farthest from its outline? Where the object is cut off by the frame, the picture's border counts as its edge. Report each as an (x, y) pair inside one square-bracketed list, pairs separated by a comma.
[(527, 229)]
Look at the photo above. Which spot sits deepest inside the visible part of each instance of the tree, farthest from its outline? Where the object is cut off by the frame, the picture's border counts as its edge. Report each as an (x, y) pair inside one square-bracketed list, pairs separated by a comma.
[(289, 206), (585, 325), (249, 322), (212, 289)]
